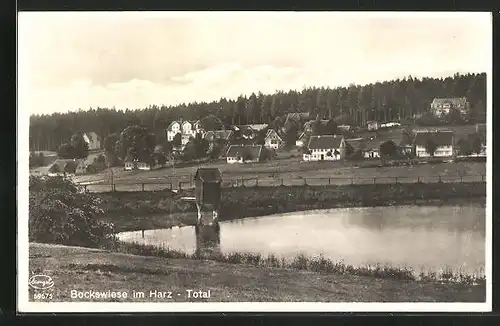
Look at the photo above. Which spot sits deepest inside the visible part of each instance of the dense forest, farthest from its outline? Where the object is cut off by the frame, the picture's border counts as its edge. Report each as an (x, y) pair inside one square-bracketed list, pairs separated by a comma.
[(399, 99)]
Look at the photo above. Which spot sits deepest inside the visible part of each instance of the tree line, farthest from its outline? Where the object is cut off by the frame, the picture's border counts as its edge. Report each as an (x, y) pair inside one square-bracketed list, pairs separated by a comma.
[(398, 99)]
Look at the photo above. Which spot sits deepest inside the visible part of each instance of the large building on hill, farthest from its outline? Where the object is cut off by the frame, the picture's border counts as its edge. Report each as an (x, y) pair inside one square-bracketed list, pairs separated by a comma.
[(186, 129), (442, 106)]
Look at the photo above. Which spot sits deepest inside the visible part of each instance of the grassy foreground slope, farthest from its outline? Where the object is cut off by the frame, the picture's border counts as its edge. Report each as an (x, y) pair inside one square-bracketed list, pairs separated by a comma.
[(82, 269)]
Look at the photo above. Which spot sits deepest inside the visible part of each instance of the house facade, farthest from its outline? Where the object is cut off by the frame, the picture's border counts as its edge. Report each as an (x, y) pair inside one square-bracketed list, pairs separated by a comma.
[(325, 148), (371, 153), (244, 154), (443, 141), (442, 106), (372, 125), (92, 140), (187, 129), (273, 140), (224, 136)]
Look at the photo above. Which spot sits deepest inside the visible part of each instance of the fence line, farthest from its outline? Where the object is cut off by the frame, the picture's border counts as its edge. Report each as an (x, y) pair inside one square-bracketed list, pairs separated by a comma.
[(274, 182)]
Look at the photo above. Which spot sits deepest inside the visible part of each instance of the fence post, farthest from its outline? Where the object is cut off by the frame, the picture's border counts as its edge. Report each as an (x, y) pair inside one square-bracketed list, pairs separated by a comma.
[(482, 177), (305, 181), (461, 179), (329, 181), (142, 184), (242, 182), (374, 180), (85, 187), (418, 179), (281, 182), (114, 187), (439, 179), (180, 185), (256, 182)]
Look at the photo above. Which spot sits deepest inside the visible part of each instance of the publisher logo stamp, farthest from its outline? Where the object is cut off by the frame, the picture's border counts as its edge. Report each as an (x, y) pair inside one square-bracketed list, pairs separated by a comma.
[(41, 282)]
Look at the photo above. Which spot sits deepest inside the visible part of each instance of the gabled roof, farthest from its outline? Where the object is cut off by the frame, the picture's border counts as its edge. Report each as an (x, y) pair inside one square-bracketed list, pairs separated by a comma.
[(208, 175), (255, 127), (181, 122), (297, 116), (218, 134), (441, 138), (310, 122), (239, 150), (273, 133), (454, 101), (324, 142)]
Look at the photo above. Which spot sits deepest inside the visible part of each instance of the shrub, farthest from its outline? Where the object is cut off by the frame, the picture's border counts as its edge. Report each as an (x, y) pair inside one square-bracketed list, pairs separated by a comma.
[(60, 212)]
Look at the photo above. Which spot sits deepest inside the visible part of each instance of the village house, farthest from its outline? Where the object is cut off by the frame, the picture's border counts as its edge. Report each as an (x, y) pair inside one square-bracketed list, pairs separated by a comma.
[(371, 153), (93, 140), (325, 147), (301, 140), (442, 139), (224, 136), (442, 106), (187, 129), (273, 140), (250, 132), (390, 125), (297, 117), (245, 153), (344, 127), (308, 126), (130, 165), (372, 125)]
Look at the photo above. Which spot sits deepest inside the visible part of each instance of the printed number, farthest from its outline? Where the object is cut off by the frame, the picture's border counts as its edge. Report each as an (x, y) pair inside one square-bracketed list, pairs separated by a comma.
[(43, 296)]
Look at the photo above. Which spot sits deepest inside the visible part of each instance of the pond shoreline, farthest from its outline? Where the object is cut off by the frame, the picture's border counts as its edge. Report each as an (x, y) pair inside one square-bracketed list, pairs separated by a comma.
[(132, 211)]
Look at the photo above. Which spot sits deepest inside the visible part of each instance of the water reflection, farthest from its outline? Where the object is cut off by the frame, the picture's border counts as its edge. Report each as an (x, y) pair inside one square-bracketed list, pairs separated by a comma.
[(423, 238), (207, 239)]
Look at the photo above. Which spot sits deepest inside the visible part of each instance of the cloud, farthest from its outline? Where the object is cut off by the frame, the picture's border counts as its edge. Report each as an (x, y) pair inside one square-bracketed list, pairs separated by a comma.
[(70, 60)]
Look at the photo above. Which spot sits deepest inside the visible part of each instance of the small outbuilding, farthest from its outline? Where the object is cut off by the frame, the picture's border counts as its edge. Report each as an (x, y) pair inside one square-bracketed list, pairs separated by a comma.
[(208, 182)]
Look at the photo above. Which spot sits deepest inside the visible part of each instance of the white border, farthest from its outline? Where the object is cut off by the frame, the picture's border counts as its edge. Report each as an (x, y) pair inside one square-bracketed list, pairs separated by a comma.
[(23, 203)]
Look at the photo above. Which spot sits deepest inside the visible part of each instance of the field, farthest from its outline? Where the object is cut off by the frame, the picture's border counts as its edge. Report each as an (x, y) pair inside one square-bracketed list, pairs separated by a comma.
[(289, 171), (82, 269)]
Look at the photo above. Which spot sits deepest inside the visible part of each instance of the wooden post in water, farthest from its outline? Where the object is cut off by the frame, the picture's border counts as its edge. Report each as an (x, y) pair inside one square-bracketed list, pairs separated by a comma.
[(142, 233)]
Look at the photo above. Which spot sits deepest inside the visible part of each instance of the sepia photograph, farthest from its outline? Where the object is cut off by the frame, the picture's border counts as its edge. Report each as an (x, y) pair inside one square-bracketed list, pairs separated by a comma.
[(254, 161)]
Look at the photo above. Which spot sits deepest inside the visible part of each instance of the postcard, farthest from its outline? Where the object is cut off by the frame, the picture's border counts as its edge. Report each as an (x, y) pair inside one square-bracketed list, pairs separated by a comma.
[(254, 161)]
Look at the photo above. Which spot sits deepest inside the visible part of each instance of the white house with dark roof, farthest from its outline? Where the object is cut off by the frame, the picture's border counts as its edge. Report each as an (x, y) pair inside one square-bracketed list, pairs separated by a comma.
[(441, 138), (187, 129), (244, 153), (273, 140), (442, 106), (325, 148)]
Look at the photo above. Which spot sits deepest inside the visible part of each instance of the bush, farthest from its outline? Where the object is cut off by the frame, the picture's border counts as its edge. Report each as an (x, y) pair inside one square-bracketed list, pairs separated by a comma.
[(61, 213)]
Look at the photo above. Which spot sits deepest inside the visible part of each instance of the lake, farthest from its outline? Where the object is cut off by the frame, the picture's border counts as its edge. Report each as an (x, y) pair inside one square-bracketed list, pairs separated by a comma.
[(424, 238)]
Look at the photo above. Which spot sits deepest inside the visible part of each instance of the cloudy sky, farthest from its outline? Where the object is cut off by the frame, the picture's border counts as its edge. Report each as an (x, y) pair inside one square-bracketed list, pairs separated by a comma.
[(131, 60)]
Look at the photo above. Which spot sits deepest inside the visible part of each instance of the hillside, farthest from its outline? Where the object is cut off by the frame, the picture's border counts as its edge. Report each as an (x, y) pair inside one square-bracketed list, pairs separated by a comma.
[(75, 268)]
